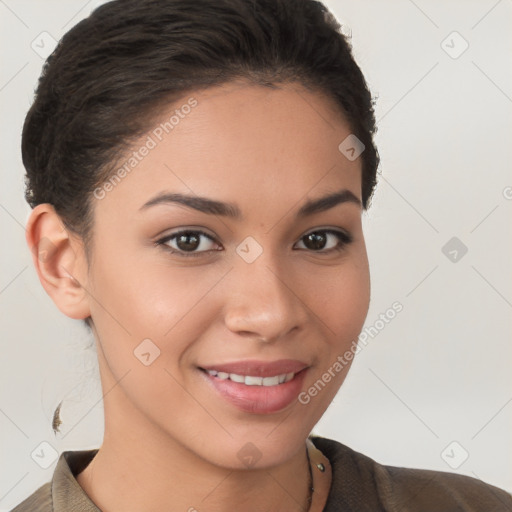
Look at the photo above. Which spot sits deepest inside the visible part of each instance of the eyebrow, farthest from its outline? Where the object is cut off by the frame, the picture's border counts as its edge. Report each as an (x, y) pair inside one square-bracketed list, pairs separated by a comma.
[(213, 207)]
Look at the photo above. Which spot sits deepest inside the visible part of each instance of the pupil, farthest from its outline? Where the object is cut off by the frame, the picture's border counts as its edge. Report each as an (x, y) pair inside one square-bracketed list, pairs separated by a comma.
[(317, 239), (184, 241)]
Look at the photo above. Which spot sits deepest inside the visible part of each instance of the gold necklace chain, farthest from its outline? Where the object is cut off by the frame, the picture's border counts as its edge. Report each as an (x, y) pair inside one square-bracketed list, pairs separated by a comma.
[(311, 487)]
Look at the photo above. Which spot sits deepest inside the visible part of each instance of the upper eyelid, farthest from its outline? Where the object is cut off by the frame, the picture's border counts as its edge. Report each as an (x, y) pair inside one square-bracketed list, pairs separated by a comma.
[(214, 237)]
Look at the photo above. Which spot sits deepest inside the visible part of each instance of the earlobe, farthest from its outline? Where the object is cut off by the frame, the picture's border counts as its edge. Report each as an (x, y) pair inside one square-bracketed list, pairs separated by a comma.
[(59, 260)]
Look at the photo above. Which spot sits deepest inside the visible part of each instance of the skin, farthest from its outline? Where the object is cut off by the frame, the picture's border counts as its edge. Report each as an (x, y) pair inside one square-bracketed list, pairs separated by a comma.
[(170, 442)]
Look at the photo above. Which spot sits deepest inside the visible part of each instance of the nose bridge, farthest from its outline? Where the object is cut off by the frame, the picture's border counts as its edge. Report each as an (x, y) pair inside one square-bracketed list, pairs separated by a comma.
[(262, 301)]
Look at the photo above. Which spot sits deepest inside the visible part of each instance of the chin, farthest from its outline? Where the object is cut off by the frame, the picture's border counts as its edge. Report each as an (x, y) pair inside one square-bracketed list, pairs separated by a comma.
[(255, 445)]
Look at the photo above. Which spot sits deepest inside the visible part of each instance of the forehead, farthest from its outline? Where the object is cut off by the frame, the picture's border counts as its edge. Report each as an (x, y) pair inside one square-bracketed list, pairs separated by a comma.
[(265, 146)]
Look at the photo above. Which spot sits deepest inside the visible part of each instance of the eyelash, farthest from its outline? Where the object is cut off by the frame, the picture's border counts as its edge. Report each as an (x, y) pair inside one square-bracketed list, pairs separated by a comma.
[(344, 239)]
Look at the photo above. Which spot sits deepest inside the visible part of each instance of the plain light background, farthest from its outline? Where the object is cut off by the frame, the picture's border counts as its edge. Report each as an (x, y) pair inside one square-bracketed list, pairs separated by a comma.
[(433, 388)]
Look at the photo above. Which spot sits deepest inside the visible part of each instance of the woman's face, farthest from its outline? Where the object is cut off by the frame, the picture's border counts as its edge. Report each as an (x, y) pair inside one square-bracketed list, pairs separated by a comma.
[(245, 292)]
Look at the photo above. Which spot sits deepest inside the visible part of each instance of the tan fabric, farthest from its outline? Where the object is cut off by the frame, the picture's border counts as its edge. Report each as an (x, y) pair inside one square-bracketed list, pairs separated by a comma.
[(63, 493), (358, 484)]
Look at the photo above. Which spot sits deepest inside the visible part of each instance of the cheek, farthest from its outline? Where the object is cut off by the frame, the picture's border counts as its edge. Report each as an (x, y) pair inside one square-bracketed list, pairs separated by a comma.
[(341, 300), (146, 318), (342, 309), (355, 298), (136, 300), (142, 295)]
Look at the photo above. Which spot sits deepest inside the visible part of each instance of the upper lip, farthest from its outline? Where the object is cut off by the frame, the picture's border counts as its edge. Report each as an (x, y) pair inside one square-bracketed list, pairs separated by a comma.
[(259, 368)]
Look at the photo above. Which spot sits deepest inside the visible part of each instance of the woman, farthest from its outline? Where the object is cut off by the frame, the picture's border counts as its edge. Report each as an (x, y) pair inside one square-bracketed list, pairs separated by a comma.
[(197, 172)]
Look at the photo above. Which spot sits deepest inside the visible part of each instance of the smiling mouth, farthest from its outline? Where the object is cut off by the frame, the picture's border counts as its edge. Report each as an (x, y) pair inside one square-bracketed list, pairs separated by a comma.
[(252, 380), (258, 387)]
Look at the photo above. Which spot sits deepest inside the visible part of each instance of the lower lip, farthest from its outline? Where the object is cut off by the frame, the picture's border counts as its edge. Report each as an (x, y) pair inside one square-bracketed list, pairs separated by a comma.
[(259, 399)]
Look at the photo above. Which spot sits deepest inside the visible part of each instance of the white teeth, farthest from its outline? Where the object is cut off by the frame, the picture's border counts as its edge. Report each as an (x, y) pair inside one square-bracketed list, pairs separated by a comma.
[(271, 381), (250, 380), (253, 381)]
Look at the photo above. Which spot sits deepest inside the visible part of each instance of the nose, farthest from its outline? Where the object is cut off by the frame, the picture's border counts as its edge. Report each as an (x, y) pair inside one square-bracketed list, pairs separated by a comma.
[(264, 302)]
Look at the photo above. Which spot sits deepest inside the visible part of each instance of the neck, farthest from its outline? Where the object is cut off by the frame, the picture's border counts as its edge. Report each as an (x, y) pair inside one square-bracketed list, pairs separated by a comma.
[(140, 467)]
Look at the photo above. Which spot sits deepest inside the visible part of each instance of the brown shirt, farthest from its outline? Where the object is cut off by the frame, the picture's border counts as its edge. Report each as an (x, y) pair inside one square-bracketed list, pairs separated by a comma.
[(358, 484)]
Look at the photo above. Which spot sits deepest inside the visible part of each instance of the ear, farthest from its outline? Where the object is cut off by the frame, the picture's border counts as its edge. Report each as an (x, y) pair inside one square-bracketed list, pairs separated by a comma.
[(59, 260)]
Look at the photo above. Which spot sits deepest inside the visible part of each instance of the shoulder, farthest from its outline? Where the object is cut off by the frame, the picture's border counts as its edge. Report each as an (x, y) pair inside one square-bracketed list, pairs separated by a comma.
[(63, 493), (38, 501), (430, 490), (364, 484)]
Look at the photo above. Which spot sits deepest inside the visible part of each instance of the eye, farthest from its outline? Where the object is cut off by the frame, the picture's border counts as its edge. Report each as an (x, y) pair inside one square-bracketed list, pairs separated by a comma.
[(188, 243), (326, 240)]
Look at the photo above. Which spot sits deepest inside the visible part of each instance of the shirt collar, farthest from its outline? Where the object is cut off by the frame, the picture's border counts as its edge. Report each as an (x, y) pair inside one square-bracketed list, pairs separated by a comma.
[(67, 494)]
